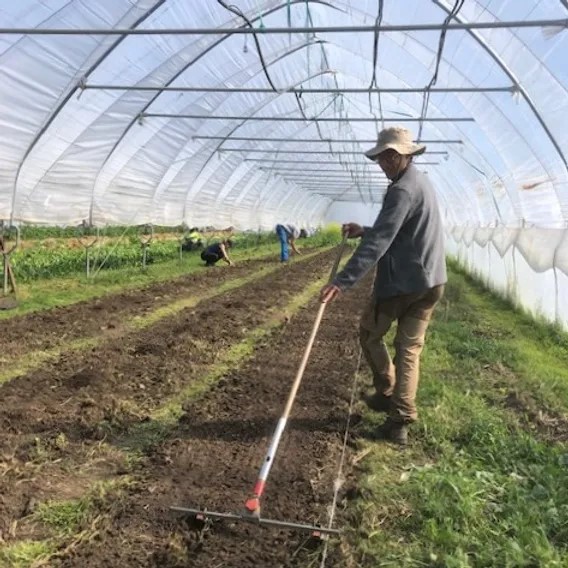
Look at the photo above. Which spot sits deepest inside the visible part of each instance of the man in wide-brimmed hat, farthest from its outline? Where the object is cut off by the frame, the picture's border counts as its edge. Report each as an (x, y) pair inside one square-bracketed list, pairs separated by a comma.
[(406, 244)]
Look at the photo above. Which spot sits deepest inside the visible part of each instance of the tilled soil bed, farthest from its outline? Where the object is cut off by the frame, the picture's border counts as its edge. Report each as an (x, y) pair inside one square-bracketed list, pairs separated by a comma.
[(211, 459), (49, 329), (53, 417)]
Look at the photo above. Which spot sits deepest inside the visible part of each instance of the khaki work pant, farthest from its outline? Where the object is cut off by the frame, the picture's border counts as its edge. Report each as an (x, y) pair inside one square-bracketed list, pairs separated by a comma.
[(398, 379)]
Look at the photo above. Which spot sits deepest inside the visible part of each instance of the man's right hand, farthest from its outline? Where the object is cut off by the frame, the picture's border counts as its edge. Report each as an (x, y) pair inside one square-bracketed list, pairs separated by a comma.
[(352, 230)]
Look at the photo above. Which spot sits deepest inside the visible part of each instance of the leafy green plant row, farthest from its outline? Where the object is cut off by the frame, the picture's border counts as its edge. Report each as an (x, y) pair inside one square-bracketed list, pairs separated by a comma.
[(42, 263), (39, 232)]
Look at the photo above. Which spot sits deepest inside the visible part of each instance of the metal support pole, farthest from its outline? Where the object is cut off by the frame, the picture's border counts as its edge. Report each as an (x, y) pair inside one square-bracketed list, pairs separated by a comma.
[(281, 151), (301, 119), (87, 245), (415, 163), (295, 90), (5, 267), (145, 236), (333, 184), (310, 140), (181, 240), (327, 173), (322, 162), (562, 23), (6, 250), (331, 177)]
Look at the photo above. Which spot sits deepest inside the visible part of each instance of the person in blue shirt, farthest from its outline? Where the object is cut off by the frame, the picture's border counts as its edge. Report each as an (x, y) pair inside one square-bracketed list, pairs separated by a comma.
[(287, 235)]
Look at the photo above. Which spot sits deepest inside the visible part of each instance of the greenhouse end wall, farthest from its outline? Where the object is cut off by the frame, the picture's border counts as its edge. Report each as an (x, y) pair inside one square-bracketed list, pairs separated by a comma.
[(527, 265)]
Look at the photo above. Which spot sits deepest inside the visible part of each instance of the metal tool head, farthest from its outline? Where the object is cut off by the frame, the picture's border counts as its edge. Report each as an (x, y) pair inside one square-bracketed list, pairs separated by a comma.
[(203, 514)]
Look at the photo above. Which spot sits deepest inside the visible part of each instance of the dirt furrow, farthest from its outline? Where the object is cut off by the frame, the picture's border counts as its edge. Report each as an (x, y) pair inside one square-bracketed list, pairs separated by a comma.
[(51, 328), (212, 459), (53, 418)]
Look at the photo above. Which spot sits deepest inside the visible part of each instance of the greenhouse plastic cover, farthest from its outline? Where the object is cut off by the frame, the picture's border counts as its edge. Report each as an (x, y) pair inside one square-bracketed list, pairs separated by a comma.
[(70, 152)]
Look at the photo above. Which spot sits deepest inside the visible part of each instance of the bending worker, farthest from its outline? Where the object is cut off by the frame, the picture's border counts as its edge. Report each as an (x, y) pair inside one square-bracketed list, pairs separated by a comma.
[(287, 235), (406, 244), (192, 241), (217, 251)]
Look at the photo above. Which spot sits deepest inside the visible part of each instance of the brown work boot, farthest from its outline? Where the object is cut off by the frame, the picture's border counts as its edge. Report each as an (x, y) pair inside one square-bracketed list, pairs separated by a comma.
[(377, 402), (396, 432)]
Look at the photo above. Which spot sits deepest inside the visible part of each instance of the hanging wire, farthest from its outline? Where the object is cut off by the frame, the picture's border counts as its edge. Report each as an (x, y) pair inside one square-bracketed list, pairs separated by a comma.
[(337, 109), (288, 19), (426, 99), (307, 24), (237, 11), (378, 22)]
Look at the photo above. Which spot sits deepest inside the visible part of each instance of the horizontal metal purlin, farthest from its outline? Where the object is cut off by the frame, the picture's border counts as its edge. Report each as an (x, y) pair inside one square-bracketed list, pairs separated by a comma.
[(301, 119), (323, 161), (280, 151), (340, 181), (303, 140), (295, 90), (503, 24), (275, 170), (324, 170), (333, 183), (331, 180), (336, 179), (315, 177), (324, 173)]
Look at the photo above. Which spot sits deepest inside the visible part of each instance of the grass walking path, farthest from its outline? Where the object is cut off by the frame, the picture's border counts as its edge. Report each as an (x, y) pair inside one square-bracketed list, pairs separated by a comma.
[(485, 479)]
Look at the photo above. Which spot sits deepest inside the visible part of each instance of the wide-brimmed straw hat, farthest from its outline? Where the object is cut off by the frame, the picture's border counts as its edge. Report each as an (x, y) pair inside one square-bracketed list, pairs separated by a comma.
[(398, 139)]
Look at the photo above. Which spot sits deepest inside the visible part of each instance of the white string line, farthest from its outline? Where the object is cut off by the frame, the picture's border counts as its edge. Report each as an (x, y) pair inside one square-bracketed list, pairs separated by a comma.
[(339, 480)]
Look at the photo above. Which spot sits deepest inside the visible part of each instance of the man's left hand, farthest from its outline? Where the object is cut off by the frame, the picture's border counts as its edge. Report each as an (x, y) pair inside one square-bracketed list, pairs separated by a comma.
[(329, 292)]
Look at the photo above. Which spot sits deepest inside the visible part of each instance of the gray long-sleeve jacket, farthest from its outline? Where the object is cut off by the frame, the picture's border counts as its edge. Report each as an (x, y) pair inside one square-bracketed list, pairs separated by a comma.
[(406, 241)]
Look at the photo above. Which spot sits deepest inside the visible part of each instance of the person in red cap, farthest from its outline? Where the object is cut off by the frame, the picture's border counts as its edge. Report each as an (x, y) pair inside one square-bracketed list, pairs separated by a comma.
[(406, 245)]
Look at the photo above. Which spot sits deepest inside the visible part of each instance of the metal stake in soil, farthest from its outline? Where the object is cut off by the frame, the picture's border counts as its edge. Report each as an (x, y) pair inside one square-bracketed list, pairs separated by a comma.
[(252, 505), (8, 297)]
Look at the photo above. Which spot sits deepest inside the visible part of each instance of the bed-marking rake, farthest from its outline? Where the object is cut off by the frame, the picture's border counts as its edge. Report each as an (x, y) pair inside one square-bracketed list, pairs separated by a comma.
[(251, 513)]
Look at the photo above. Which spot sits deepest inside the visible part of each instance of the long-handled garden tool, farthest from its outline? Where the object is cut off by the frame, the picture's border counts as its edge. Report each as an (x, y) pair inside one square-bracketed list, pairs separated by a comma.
[(252, 505)]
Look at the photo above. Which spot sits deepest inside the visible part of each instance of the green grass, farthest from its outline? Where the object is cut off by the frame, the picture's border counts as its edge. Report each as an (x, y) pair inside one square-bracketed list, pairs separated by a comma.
[(477, 487), (25, 553), (534, 353), (67, 522), (35, 359)]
